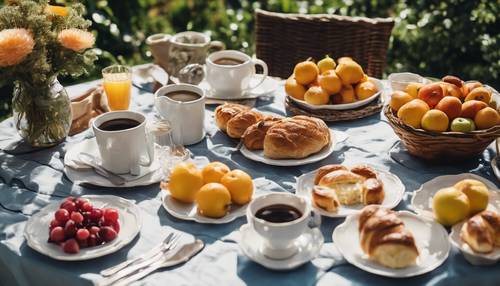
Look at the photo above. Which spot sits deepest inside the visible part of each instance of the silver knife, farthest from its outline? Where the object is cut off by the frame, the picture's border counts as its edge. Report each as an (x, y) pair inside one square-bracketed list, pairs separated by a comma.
[(183, 255), (89, 160)]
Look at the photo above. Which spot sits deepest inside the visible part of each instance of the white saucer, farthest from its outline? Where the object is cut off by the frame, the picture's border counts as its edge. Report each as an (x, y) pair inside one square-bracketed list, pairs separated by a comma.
[(36, 230), (308, 245), (84, 175), (430, 237), (344, 106), (258, 155), (421, 201), (267, 87), (393, 188)]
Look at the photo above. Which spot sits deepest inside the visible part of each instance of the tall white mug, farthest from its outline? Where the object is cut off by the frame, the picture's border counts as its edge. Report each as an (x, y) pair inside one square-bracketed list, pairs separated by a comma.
[(232, 80), (183, 105), (123, 150)]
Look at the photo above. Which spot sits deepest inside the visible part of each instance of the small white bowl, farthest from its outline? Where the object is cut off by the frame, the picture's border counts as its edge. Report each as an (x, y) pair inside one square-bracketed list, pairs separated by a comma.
[(474, 258), (399, 81)]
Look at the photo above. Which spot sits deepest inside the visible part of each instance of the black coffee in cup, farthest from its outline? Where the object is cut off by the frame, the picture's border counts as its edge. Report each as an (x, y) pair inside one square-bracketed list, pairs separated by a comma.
[(278, 213), (118, 124), (228, 62), (183, 95)]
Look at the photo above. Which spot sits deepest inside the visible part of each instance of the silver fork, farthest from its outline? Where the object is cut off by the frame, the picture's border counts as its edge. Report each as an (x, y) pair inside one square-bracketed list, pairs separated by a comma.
[(165, 248), (114, 269)]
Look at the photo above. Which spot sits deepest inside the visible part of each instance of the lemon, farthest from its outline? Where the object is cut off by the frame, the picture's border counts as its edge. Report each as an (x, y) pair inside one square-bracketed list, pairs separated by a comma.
[(326, 64), (477, 192), (214, 171), (240, 185), (450, 206), (213, 200), (185, 181)]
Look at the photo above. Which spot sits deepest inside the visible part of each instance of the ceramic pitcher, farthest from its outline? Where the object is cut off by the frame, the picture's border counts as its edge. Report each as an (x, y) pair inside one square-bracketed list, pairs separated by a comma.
[(173, 53)]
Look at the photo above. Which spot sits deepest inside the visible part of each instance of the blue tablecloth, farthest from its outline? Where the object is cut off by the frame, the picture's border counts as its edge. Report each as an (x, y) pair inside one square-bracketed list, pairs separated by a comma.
[(30, 181)]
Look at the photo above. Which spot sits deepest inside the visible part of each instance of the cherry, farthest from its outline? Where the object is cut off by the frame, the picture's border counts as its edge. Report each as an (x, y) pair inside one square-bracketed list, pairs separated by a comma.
[(95, 214), (62, 215), (54, 223), (94, 230), (82, 234), (92, 241), (76, 217), (83, 243), (111, 214), (86, 207), (116, 226), (71, 246), (70, 228), (56, 234), (70, 206), (107, 233)]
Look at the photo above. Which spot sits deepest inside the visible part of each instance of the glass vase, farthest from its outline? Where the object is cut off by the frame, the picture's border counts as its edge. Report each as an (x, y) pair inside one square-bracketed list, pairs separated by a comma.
[(42, 112)]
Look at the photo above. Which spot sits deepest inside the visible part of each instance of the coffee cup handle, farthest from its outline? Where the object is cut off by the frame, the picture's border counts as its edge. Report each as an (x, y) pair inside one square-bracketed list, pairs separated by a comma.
[(315, 219), (216, 46), (151, 155), (264, 72)]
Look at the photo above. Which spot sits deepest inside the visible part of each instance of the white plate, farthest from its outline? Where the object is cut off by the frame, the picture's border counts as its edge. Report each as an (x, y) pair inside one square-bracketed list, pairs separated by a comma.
[(190, 211), (308, 245), (268, 86), (36, 230), (79, 175), (430, 237), (258, 155), (393, 188), (471, 256), (422, 198), (148, 74), (344, 106)]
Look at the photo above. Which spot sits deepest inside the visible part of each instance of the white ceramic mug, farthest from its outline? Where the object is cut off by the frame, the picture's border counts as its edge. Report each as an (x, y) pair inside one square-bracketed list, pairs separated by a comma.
[(187, 118), (122, 150), (232, 80), (279, 238)]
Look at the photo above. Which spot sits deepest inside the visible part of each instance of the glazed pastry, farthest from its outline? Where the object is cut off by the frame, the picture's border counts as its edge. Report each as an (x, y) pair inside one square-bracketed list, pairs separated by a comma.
[(325, 198), (253, 138), (347, 185), (385, 238), (223, 113), (482, 232), (325, 170), (296, 137), (373, 192), (237, 125), (365, 171)]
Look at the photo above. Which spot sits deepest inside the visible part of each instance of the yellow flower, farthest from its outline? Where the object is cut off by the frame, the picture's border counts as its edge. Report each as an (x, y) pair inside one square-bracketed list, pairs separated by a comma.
[(76, 39), (57, 10), (15, 45)]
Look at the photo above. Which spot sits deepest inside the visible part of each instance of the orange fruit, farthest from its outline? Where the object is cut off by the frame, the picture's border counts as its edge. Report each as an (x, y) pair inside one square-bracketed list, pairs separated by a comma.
[(435, 120), (479, 93), (330, 82), (398, 99), (294, 89), (486, 118), (213, 200), (326, 64), (365, 90), (214, 171), (305, 72), (450, 105), (411, 113), (344, 59), (431, 93), (316, 95), (347, 94), (185, 181), (349, 72), (471, 107), (240, 185)]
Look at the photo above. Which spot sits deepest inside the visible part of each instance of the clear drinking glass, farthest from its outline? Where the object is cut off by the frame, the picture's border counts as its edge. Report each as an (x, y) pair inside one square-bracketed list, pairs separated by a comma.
[(117, 85)]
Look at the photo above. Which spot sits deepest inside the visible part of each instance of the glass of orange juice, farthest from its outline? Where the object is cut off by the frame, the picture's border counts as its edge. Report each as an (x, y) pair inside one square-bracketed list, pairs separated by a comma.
[(117, 85)]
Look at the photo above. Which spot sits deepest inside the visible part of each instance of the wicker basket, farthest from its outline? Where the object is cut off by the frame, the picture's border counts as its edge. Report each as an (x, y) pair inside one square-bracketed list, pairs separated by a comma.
[(444, 145), (282, 40)]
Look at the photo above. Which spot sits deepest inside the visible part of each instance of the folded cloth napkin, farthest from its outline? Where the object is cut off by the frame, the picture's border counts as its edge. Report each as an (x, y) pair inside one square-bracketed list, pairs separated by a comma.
[(86, 107)]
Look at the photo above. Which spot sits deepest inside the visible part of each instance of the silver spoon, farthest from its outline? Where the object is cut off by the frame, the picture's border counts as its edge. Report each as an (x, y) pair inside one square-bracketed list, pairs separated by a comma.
[(89, 160)]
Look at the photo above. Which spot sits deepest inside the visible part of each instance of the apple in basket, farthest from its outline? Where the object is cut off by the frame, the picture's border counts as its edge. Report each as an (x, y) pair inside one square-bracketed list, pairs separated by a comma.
[(77, 224)]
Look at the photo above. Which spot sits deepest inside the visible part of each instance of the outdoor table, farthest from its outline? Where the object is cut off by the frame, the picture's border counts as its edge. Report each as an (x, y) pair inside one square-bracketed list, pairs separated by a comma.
[(30, 181)]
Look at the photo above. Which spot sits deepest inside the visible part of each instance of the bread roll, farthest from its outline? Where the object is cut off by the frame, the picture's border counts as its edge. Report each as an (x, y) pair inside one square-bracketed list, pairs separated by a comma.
[(223, 113), (373, 192), (325, 170), (482, 232), (385, 239), (296, 137), (347, 185), (365, 171), (237, 125), (325, 198), (253, 138)]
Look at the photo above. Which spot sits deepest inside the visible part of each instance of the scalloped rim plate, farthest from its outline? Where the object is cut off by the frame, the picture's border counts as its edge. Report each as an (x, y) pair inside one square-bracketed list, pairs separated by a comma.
[(430, 237), (421, 202), (393, 187), (36, 230), (345, 106), (471, 256)]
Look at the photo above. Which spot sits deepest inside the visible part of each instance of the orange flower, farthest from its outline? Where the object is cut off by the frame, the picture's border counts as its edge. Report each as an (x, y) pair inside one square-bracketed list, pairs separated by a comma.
[(15, 45), (76, 39), (57, 10)]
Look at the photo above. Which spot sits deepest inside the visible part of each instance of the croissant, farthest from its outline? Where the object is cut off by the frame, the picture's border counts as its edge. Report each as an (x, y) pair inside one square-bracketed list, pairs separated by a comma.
[(325, 198), (385, 238), (237, 125), (225, 112), (482, 232), (373, 192), (253, 138)]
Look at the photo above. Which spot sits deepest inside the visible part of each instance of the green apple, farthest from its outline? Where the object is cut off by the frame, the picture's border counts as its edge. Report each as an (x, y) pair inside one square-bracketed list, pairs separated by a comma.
[(461, 124)]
